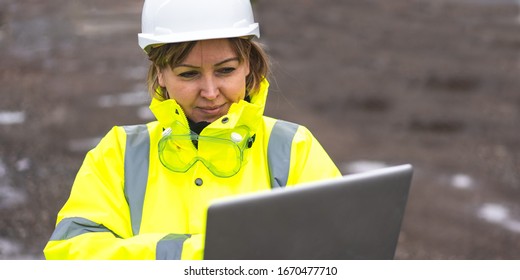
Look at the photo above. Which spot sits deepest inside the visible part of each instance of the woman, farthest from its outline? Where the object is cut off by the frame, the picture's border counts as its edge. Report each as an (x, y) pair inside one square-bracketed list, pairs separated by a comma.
[(143, 192)]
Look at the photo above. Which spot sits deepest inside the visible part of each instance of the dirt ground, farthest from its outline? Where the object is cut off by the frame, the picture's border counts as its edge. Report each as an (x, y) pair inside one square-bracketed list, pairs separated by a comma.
[(434, 83)]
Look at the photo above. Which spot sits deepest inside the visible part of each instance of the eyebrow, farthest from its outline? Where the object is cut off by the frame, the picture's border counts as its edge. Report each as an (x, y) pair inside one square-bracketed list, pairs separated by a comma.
[(217, 64)]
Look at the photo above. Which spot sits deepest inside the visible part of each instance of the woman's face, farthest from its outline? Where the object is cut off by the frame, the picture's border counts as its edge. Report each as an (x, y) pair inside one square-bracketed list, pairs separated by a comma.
[(208, 81)]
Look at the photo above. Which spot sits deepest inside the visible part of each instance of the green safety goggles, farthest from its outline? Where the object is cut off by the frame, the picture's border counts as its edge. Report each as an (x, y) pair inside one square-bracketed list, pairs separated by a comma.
[(222, 154)]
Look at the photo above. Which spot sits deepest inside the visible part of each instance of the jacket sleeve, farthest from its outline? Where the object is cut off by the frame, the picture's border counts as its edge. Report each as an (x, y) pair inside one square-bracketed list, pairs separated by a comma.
[(309, 161), (95, 221)]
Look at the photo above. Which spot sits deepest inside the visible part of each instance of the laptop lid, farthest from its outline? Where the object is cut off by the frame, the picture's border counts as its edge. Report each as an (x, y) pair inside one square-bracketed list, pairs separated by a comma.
[(356, 216)]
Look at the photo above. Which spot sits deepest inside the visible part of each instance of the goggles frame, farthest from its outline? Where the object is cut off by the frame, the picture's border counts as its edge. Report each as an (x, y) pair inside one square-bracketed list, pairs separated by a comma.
[(222, 155)]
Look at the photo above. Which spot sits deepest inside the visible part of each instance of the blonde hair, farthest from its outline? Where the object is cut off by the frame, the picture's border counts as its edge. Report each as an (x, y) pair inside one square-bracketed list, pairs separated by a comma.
[(169, 55)]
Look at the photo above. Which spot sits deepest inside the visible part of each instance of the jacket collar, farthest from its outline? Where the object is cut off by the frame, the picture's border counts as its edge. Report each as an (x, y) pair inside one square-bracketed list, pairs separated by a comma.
[(243, 113)]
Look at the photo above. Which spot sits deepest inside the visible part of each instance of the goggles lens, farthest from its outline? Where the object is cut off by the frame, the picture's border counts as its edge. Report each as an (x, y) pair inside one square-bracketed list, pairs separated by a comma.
[(222, 155)]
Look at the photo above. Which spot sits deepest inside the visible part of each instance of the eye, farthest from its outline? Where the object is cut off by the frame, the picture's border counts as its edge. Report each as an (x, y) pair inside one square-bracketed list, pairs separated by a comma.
[(226, 70), (188, 74)]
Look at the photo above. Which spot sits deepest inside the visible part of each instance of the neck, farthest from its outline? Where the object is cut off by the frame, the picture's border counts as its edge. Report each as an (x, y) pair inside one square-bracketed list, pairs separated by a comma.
[(197, 127)]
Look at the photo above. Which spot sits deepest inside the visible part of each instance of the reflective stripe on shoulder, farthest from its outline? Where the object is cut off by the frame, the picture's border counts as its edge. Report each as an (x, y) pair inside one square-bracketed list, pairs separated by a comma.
[(72, 227), (279, 152), (137, 156)]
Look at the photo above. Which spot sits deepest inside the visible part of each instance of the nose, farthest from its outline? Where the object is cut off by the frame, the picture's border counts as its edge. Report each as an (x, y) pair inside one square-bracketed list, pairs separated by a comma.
[(209, 88)]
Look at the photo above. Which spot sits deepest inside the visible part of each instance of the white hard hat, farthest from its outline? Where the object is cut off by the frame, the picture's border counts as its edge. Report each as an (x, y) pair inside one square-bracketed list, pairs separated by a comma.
[(172, 21)]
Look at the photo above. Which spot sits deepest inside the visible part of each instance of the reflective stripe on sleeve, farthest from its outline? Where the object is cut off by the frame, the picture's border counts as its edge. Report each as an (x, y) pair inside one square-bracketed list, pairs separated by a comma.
[(137, 156), (279, 152), (170, 247), (72, 227)]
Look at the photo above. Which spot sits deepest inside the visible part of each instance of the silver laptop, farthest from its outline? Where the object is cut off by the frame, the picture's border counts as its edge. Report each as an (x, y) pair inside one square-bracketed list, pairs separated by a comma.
[(356, 216)]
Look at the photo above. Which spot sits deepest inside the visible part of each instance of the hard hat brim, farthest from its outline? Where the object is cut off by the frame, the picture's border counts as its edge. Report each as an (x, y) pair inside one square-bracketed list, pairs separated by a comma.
[(146, 40)]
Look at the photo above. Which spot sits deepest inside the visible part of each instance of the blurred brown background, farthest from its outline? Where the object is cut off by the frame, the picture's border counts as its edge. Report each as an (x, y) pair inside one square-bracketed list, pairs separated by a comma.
[(434, 83)]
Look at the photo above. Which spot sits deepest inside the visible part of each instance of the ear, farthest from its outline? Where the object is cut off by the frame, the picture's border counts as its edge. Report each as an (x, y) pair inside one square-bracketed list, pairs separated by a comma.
[(160, 77), (248, 68)]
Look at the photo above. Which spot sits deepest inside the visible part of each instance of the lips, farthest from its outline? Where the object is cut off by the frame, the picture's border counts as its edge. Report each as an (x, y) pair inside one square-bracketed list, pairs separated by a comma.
[(211, 110)]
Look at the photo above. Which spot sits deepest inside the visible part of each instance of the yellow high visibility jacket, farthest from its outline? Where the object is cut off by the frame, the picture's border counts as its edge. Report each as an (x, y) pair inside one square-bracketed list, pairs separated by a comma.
[(124, 204)]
